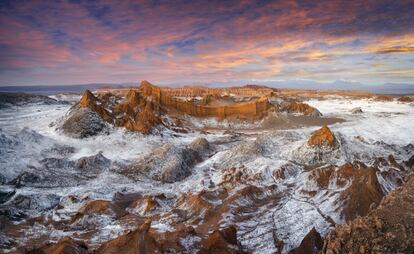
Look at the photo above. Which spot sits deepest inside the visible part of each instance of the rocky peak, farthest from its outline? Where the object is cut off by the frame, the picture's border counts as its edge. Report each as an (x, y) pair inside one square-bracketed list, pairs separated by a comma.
[(88, 99), (322, 137), (148, 89)]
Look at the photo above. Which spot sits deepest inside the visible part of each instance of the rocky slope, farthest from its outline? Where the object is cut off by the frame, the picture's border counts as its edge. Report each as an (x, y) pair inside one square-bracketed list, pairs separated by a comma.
[(389, 228)]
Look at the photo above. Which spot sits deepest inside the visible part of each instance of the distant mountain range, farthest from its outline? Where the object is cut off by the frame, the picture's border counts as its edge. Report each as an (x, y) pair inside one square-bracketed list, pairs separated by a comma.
[(388, 88)]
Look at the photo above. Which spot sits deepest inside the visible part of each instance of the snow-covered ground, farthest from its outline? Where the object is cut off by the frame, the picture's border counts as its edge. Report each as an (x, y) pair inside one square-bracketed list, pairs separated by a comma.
[(27, 136)]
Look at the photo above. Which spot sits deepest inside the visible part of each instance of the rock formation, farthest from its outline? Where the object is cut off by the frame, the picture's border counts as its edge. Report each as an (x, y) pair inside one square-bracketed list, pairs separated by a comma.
[(299, 107), (169, 163), (322, 137), (82, 123), (147, 107), (321, 148), (386, 229), (65, 246)]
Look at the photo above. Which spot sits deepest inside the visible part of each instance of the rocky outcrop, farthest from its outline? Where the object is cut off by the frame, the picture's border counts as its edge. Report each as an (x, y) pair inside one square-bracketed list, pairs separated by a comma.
[(140, 240), (311, 244), (82, 122), (169, 163), (100, 207), (222, 241), (406, 99), (386, 229), (321, 148), (65, 246), (300, 108), (89, 100), (322, 137), (364, 191)]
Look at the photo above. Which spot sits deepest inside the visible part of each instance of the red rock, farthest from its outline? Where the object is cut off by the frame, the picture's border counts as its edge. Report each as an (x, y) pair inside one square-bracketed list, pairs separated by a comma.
[(65, 245), (322, 137), (137, 241), (222, 242)]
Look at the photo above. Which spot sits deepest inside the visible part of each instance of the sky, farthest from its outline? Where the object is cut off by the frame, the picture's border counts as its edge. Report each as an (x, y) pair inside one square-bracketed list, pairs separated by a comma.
[(76, 42)]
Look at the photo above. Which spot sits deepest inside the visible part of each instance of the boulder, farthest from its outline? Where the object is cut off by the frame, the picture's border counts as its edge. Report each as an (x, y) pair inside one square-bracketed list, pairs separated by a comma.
[(38, 202)]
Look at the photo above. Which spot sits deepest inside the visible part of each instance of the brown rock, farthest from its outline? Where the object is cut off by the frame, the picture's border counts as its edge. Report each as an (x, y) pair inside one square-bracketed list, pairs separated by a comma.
[(137, 241), (99, 207), (365, 191), (405, 99), (89, 100), (322, 137), (312, 243), (65, 246), (386, 229), (222, 242), (299, 107)]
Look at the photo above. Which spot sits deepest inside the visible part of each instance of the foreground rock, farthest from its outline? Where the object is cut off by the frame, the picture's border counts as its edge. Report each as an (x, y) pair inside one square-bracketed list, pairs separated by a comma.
[(387, 229)]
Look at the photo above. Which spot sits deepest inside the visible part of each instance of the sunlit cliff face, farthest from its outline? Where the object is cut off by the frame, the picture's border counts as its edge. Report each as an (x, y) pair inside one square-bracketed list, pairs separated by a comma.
[(66, 42)]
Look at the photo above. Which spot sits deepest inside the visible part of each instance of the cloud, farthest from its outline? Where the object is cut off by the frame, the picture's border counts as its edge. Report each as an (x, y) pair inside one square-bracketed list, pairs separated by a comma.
[(172, 41), (398, 49)]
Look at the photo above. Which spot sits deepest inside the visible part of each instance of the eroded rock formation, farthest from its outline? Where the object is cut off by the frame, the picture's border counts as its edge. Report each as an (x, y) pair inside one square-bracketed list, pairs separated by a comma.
[(147, 107), (322, 137), (386, 229)]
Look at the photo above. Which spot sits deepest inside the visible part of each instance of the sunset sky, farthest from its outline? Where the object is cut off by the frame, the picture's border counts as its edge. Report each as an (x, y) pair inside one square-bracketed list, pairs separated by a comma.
[(75, 42)]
